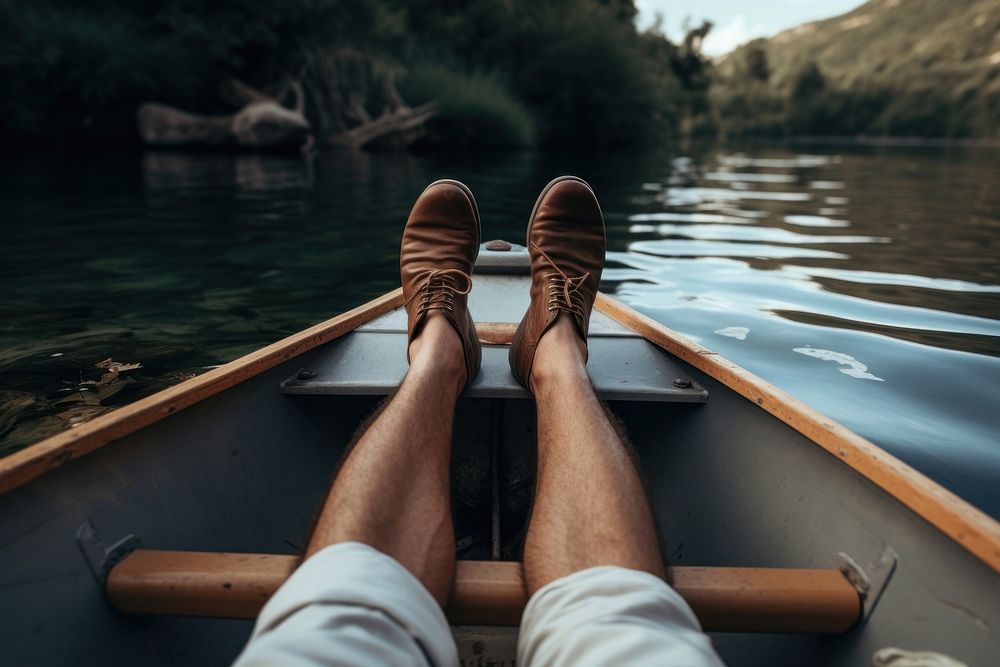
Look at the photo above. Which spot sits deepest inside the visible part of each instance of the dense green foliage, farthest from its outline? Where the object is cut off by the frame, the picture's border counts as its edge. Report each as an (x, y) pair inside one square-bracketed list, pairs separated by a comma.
[(476, 108), (77, 71), (508, 71), (579, 67), (914, 68)]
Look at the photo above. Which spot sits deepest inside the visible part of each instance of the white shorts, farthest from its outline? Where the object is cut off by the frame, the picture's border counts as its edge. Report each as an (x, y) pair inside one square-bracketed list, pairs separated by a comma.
[(350, 604)]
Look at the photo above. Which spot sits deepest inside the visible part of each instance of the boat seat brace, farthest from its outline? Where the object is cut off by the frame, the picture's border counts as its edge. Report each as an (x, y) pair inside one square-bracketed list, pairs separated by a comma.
[(725, 599)]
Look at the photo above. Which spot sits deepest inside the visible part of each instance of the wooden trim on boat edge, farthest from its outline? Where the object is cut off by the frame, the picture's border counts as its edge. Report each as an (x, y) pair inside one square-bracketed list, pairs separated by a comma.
[(973, 529), (27, 464)]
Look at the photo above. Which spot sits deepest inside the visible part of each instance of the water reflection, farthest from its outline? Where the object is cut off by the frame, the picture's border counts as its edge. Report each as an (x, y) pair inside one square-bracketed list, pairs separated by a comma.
[(713, 249), (863, 281), (893, 330), (821, 220), (757, 234), (178, 173)]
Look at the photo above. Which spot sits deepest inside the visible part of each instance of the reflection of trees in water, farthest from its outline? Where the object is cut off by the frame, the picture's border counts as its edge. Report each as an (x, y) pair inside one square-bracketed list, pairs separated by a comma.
[(936, 207), (173, 171), (947, 340)]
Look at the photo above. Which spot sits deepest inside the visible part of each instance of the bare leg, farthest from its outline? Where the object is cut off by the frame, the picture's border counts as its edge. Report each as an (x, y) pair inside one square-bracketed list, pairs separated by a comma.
[(590, 505), (392, 492)]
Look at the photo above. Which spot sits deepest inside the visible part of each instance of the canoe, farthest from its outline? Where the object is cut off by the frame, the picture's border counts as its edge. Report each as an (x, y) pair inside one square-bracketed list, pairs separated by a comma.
[(153, 534)]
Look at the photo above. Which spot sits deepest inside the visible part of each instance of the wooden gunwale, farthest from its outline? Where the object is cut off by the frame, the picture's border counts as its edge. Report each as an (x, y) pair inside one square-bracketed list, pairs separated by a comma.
[(966, 525), (22, 467)]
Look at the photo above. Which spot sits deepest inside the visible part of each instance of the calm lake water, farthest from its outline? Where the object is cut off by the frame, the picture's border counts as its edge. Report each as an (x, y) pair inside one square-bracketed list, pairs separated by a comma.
[(864, 281)]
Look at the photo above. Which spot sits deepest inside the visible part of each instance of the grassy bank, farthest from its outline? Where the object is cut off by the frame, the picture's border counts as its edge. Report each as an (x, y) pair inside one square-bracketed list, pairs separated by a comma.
[(477, 108)]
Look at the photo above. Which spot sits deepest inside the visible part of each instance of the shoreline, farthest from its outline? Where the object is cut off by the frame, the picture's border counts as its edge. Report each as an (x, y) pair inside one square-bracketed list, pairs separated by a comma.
[(910, 142)]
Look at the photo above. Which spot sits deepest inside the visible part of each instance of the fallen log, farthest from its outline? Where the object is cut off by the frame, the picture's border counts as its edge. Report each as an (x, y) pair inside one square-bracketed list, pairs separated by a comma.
[(356, 104), (353, 98), (162, 125), (262, 123), (269, 125), (392, 130)]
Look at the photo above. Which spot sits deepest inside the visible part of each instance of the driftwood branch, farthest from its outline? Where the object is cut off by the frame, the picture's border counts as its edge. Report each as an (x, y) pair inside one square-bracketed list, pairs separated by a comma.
[(238, 94), (356, 104), (160, 125), (262, 122), (393, 129), (295, 86), (352, 98)]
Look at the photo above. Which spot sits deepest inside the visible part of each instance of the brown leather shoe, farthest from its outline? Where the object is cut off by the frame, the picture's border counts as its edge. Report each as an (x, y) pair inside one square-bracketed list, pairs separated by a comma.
[(439, 248), (566, 243)]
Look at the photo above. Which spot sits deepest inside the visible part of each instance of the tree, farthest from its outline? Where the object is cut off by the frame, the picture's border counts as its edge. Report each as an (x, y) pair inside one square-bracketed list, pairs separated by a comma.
[(808, 82), (757, 68)]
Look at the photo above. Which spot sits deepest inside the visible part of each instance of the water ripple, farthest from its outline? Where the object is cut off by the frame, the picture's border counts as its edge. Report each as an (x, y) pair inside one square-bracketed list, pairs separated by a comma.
[(762, 234), (734, 177), (911, 307), (901, 279), (683, 216), (713, 249), (741, 161), (689, 196), (822, 220)]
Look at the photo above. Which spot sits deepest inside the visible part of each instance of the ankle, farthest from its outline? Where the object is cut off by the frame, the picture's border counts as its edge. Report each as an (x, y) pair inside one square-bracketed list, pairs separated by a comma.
[(437, 350), (561, 357)]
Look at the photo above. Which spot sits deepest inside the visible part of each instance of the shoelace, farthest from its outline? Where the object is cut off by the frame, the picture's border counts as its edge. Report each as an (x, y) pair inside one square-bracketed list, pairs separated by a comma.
[(564, 292), (438, 293)]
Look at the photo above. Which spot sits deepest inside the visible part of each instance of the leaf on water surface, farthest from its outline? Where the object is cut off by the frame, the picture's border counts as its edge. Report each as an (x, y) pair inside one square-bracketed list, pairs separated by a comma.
[(739, 333), (113, 369), (853, 367), (117, 366)]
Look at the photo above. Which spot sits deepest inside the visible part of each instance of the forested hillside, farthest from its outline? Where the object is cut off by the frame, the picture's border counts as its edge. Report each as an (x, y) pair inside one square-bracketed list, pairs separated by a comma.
[(890, 67)]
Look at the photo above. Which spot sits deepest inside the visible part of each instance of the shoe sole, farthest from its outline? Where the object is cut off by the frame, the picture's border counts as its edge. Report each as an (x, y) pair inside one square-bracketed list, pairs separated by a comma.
[(475, 208)]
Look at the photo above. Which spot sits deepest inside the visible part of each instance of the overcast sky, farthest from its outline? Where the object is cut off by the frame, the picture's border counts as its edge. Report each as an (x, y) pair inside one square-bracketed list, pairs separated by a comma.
[(738, 21)]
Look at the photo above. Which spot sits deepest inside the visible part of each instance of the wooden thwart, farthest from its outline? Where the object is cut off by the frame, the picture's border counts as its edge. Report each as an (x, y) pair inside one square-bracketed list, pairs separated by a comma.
[(495, 333), (725, 599)]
